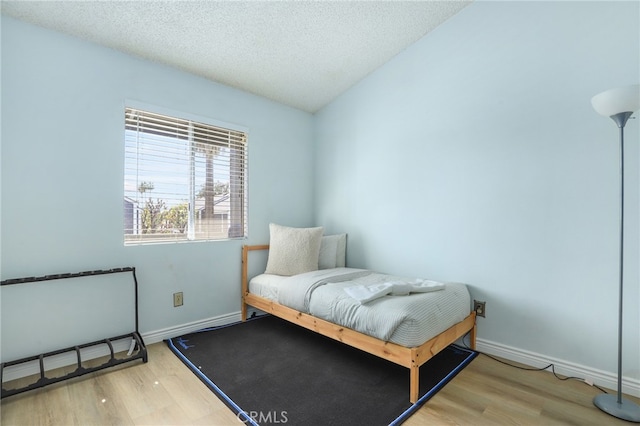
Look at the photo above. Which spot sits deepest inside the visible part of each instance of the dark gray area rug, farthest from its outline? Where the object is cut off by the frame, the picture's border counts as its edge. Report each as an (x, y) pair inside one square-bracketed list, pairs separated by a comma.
[(269, 371)]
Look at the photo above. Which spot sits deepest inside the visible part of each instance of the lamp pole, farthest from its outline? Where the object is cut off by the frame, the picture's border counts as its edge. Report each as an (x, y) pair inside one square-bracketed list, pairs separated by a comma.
[(619, 105), (621, 120)]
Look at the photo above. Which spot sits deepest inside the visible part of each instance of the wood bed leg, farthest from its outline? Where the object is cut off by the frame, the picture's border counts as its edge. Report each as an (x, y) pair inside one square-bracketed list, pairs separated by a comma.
[(414, 372), (243, 282), (472, 337)]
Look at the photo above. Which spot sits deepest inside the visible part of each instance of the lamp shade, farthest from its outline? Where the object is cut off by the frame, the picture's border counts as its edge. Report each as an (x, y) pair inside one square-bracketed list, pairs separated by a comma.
[(615, 101)]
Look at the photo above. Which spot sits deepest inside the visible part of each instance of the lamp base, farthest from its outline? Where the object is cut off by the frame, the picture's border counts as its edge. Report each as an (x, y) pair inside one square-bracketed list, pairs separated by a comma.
[(627, 410)]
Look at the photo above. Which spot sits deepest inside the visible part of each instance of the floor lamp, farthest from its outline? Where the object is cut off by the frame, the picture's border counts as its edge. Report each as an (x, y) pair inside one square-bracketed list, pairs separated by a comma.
[(619, 104)]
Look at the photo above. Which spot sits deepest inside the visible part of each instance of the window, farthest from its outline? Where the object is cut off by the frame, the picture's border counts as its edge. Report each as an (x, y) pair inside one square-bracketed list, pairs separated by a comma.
[(183, 180)]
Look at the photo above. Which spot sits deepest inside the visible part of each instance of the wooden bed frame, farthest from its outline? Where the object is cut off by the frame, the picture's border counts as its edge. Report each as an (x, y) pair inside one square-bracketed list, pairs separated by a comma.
[(411, 358)]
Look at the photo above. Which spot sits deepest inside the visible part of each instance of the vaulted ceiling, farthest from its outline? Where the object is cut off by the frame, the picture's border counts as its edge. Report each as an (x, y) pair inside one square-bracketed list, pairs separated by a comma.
[(300, 53)]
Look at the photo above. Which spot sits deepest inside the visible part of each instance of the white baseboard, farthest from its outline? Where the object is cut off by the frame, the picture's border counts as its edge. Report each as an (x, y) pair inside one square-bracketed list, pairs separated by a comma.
[(62, 360), (167, 333), (70, 358), (564, 368), (605, 379)]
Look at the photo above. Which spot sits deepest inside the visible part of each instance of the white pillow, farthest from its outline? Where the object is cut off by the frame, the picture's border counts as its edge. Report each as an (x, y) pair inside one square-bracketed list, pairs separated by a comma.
[(293, 250), (333, 249)]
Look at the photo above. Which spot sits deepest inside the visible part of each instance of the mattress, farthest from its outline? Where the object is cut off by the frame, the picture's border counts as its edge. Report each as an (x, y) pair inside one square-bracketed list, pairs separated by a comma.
[(408, 320), (266, 285)]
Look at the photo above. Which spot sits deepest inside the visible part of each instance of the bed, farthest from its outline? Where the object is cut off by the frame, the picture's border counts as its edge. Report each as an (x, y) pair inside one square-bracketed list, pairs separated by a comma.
[(403, 320)]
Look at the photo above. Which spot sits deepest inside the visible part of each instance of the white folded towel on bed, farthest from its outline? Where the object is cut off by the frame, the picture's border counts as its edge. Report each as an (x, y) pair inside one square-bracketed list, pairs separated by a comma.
[(425, 286), (364, 294), (367, 293)]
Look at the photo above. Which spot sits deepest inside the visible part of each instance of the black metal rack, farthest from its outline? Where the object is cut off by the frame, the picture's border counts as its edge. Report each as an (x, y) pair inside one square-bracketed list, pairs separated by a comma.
[(137, 341)]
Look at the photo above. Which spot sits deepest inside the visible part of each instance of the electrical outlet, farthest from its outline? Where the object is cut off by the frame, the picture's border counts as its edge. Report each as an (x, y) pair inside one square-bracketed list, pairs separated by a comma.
[(480, 308), (177, 299)]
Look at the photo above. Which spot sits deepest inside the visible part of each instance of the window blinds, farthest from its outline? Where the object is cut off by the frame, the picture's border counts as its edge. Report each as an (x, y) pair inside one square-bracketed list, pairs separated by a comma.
[(183, 180)]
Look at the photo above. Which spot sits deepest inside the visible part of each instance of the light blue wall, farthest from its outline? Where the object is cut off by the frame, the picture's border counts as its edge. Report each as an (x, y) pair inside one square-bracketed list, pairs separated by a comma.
[(472, 156), (475, 156), (62, 171)]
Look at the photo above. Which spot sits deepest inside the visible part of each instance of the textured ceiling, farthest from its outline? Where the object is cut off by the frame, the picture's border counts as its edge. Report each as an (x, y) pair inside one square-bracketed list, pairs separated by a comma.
[(300, 53)]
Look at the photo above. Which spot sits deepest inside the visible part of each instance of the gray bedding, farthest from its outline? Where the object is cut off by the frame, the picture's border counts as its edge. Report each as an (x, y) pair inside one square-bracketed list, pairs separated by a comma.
[(407, 320)]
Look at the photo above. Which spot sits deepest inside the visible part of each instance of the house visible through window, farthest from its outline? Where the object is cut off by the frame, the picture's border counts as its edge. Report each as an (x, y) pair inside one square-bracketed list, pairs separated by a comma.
[(183, 180)]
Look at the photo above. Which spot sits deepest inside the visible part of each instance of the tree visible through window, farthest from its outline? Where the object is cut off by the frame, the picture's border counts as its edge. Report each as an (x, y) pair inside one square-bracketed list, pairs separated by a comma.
[(183, 180)]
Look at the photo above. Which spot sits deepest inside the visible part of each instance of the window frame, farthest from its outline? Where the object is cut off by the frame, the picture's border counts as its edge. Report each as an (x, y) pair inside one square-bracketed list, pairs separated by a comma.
[(237, 176)]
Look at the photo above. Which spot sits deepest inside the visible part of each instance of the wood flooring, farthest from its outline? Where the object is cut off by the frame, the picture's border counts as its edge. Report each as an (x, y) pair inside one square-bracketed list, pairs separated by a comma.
[(165, 392)]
